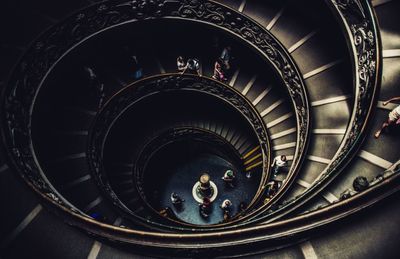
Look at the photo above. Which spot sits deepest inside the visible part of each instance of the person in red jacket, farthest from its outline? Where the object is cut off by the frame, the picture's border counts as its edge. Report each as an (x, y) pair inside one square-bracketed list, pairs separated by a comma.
[(218, 71)]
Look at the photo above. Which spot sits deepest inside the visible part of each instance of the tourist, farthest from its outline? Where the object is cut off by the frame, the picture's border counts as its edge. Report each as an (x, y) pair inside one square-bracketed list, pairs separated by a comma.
[(227, 216), (166, 212), (181, 64), (218, 71), (96, 86), (229, 178), (138, 71), (134, 60), (192, 66), (205, 207), (226, 205), (248, 174), (272, 187), (242, 206), (278, 164), (393, 118), (176, 199), (226, 57), (360, 183)]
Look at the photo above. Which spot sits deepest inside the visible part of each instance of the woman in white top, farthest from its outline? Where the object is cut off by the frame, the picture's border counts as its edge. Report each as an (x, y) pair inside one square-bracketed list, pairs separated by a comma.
[(393, 118), (278, 163), (226, 204)]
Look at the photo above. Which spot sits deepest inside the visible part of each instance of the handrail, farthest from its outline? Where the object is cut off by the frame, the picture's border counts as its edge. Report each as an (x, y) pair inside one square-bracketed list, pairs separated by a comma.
[(359, 23), (268, 235), (51, 47), (131, 94), (172, 135), (356, 17)]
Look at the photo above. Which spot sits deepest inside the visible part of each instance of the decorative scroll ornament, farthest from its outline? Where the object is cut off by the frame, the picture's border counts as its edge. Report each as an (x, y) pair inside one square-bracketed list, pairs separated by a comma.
[(52, 46), (363, 40), (18, 102), (365, 43), (222, 145), (159, 84)]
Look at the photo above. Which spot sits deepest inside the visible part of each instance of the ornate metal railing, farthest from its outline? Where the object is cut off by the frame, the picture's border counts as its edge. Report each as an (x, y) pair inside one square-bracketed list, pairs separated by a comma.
[(271, 49), (243, 241), (219, 145), (358, 21), (141, 89), (44, 55)]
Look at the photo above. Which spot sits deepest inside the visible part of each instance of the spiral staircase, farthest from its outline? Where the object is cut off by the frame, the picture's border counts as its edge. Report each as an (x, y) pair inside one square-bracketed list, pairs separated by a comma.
[(90, 152)]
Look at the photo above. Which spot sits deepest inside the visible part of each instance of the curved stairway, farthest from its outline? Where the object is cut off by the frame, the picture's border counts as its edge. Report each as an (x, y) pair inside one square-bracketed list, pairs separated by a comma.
[(63, 121)]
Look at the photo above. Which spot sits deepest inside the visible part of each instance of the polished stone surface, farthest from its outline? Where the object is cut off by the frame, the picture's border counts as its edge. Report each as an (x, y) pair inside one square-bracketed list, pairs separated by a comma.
[(183, 176)]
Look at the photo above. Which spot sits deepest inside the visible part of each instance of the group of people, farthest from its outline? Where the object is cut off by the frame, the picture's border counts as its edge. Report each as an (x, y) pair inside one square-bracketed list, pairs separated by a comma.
[(205, 208), (96, 85), (271, 188), (192, 65), (221, 66), (360, 183)]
